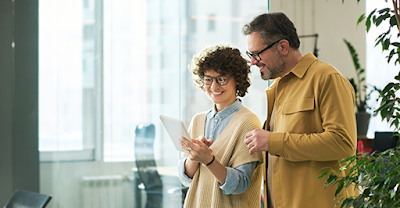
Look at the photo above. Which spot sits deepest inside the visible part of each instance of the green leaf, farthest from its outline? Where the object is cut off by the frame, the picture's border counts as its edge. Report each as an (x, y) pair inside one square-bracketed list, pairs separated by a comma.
[(384, 10), (360, 19), (331, 178), (340, 187), (396, 44), (348, 202), (388, 87), (379, 20), (390, 56), (385, 44), (393, 21), (353, 54), (397, 77), (367, 192), (368, 24), (323, 174)]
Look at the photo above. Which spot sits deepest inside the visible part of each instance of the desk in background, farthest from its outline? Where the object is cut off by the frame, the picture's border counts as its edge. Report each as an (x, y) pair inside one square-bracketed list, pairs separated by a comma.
[(163, 170)]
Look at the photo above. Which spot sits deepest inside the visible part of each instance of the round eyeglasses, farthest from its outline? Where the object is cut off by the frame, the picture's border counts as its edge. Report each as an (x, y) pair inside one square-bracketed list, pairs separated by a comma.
[(256, 56), (221, 80)]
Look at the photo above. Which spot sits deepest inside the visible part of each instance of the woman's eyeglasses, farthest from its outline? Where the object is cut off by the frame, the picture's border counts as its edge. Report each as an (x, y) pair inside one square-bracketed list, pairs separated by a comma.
[(221, 80)]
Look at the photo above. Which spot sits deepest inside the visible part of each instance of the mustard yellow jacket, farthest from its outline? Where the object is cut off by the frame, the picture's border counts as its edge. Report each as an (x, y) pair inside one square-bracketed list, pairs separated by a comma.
[(315, 127)]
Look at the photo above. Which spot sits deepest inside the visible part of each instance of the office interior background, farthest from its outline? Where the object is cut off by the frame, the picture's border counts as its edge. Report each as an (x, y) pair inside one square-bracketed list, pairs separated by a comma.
[(78, 77)]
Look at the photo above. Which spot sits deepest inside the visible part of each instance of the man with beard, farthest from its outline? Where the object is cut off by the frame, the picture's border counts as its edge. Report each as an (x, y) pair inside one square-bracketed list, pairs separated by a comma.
[(310, 123)]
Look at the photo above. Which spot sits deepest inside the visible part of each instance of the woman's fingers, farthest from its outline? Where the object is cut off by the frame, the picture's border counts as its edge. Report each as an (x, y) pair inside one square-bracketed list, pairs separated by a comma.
[(197, 149), (205, 141), (186, 144)]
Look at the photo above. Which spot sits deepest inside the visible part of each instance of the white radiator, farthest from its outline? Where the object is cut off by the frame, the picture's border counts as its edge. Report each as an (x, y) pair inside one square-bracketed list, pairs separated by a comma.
[(110, 191)]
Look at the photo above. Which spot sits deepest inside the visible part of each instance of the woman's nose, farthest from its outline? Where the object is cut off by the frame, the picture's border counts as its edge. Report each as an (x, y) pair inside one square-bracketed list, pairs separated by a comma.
[(214, 84)]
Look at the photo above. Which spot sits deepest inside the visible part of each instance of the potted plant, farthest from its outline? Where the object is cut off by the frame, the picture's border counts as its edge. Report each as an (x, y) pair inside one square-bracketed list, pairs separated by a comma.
[(360, 87), (377, 175)]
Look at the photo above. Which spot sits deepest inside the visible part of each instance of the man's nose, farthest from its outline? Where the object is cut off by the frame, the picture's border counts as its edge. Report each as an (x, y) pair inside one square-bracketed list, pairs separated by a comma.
[(253, 61)]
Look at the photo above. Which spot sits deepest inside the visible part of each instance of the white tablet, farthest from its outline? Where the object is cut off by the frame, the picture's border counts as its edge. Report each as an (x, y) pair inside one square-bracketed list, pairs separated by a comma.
[(175, 128)]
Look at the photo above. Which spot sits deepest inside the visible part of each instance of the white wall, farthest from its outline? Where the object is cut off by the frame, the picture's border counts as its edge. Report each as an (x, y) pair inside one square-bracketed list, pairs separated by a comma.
[(333, 21)]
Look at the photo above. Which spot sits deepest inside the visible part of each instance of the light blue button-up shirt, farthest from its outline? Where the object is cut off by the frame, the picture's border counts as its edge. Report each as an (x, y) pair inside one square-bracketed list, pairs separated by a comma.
[(237, 179)]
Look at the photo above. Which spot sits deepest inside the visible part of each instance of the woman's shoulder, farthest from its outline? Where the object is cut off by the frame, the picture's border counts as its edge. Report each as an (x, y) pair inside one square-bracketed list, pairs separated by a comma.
[(245, 115), (200, 116)]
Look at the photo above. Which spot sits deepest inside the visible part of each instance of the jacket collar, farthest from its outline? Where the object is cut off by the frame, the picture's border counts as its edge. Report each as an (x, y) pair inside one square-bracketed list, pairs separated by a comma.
[(301, 68)]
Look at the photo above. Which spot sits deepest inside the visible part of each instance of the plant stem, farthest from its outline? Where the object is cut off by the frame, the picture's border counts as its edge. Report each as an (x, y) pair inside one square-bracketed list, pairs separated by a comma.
[(396, 6)]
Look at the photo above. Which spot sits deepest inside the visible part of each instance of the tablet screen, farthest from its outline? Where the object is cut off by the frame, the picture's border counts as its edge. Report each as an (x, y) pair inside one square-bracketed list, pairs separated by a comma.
[(175, 128)]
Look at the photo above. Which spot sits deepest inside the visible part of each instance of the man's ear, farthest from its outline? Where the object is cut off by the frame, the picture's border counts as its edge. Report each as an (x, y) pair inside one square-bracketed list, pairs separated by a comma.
[(284, 47)]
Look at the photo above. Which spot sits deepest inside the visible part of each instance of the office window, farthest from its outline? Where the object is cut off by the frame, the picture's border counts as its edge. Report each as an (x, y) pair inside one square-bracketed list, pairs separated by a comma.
[(113, 65), (379, 72), (192, 25), (88, 31), (68, 79), (211, 22), (108, 68)]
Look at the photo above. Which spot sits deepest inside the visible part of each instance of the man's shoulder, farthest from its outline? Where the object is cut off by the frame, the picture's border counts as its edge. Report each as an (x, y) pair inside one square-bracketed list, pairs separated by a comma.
[(321, 68)]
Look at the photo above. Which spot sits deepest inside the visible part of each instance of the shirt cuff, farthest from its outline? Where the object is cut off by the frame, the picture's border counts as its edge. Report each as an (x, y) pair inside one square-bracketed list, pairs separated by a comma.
[(275, 144), (185, 180), (231, 181), (238, 180)]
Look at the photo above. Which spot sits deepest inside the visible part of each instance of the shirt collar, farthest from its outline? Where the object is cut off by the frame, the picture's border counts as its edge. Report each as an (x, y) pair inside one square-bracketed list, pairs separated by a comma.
[(228, 110), (301, 68)]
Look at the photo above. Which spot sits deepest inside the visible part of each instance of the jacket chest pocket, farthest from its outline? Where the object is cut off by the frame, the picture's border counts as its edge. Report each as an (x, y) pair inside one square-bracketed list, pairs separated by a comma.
[(298, 116)]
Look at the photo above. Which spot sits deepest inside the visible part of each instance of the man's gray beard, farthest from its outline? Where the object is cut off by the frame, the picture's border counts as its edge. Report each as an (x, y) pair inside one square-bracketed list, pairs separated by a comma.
[(274, 72), (264, 77)]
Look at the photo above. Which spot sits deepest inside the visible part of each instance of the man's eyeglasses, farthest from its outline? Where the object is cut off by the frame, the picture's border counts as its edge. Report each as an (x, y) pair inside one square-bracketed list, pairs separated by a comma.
[(221, 80), (256, 56)]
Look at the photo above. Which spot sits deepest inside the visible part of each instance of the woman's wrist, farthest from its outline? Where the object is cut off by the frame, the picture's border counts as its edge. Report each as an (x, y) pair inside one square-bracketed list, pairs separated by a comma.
[(209, 163), (192, 162)]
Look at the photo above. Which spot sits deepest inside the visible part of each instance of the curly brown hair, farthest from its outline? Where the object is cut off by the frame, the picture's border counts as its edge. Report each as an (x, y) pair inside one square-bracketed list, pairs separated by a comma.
[(225, 60)]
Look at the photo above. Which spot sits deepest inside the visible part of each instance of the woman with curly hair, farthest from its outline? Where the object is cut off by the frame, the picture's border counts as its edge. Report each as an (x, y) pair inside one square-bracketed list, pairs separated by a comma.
[(217, 165)]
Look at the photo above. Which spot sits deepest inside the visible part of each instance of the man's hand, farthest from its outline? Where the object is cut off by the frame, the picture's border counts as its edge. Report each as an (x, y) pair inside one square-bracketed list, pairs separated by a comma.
[(257, 140)]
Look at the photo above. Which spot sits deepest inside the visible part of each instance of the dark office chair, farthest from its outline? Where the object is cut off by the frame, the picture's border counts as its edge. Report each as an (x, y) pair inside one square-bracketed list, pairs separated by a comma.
[(27, 199), (384, 141), (147, 169)]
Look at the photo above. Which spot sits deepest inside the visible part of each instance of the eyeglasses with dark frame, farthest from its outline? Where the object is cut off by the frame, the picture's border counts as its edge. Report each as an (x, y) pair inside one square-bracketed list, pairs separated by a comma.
[(256, 56), (221, 80)]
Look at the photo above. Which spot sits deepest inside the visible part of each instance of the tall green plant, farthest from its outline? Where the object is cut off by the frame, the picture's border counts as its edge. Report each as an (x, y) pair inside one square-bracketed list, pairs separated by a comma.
[(377, 174), (358, 85), (389, 102), (376, 17)]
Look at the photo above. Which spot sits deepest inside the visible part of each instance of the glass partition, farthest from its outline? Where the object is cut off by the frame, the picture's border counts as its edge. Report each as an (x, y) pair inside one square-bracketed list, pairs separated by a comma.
[(107, 70)]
